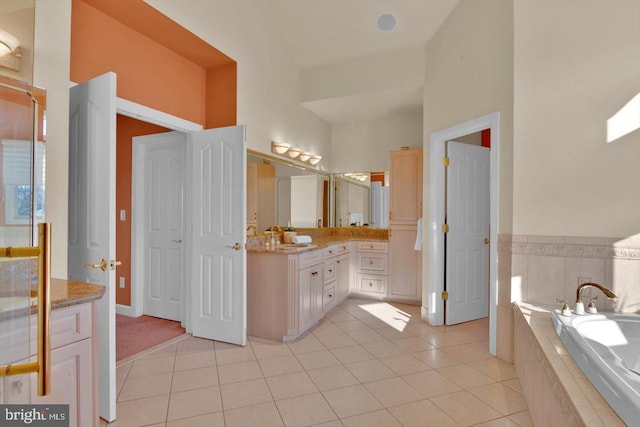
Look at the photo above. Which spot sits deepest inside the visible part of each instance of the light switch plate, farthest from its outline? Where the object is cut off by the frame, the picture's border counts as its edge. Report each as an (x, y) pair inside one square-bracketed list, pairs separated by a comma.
[(123, 215)]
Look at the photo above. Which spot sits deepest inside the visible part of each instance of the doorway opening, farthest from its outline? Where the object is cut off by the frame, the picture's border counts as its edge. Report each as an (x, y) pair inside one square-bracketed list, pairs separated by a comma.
[(437, 218)]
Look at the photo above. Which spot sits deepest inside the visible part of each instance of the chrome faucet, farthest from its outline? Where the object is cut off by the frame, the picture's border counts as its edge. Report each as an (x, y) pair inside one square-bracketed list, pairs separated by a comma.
[(591, 309)]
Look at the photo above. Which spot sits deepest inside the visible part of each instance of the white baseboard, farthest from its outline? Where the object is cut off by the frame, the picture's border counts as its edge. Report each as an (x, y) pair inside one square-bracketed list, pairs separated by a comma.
[(125, 310)]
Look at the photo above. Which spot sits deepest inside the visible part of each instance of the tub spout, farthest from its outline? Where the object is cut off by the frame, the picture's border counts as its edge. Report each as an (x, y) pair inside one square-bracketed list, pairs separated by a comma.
[(608, 292)]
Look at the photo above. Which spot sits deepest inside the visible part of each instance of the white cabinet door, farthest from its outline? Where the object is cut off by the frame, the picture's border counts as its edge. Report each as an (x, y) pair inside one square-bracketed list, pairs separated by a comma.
[(71, 382), (404, 263), (343, 276), (311, 288)]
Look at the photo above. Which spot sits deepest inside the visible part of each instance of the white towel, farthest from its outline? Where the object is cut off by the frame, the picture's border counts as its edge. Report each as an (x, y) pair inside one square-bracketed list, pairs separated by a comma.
[(301, 239), (418, 245)]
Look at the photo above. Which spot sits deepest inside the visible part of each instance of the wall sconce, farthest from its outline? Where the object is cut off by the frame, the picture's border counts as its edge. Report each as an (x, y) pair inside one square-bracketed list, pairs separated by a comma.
[(294, 152), (8, 43), (279, 147), (304, 156), (357, 176), (314, 159)]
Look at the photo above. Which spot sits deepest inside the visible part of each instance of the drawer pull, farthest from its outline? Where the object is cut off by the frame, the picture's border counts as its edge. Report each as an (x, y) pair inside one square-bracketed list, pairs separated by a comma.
[(314, 273), (330, 271), (330, 296), (370, 262)]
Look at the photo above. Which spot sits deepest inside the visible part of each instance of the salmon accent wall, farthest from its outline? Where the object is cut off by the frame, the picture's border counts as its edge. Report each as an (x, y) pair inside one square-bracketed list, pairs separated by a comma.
[(127, 128), (158, 64)]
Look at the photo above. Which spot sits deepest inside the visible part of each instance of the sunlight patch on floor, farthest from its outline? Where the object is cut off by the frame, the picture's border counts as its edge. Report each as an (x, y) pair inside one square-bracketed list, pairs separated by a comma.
[(389, 314)]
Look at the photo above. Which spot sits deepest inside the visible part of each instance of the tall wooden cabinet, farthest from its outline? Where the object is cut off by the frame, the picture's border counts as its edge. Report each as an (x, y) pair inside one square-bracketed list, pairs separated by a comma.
[(261, 195), (405, 208)]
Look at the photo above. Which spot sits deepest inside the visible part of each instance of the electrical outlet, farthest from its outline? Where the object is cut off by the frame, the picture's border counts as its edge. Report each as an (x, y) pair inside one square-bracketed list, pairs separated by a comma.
[(121, 280), (123, 215)]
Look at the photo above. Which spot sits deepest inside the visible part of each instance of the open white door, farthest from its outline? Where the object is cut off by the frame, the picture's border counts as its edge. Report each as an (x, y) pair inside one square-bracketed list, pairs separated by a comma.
[(91, 251), (467, 253), (160, 209), (217, 253)]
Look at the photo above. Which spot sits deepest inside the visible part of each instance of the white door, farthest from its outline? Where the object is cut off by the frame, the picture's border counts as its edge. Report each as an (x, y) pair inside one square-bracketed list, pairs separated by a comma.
[(92, 156), (163, 223), (467, 251), (218, 257)]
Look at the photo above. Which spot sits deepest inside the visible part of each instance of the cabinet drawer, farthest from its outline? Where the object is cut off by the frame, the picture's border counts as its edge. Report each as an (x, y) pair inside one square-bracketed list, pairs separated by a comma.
[(336, 249), (372, 263), (376, 284), (68, 325), (373, 246), (310, 258), (329, 270), (328, 298)]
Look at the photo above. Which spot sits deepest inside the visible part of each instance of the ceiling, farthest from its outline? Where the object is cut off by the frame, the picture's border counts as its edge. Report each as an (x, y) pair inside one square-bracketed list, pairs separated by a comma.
[(328, 33)]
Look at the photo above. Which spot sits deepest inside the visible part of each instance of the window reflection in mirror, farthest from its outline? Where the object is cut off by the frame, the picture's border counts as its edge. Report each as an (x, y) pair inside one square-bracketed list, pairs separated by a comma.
[(22, 161)]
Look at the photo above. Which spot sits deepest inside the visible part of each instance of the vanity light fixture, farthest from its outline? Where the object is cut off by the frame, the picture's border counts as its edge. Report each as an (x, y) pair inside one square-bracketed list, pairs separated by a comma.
[(304, 156), (314, 159), (8, 43), (279, 147), (294, 152)]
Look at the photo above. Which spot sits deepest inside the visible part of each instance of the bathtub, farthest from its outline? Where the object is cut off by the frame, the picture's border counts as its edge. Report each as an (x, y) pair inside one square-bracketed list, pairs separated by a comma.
[(606, 346)]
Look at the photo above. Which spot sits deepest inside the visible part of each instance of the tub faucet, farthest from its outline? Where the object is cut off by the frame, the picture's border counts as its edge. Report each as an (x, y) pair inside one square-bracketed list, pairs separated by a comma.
[(579, 304)]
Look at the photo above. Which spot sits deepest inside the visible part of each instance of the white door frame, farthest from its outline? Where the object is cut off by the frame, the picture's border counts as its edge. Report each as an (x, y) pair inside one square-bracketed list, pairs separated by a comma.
[(145, 114), (435, 237)]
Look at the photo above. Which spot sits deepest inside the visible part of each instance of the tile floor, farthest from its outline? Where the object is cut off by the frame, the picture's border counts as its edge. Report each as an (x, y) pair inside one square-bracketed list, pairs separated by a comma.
[(367, 363)]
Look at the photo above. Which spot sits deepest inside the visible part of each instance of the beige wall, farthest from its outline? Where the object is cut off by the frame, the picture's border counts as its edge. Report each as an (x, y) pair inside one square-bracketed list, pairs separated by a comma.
[(576, 64)]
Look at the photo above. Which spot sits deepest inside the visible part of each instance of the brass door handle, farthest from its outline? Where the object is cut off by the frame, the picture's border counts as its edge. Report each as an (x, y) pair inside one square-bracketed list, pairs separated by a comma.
[(102, 265), (486, 240), (113, 264), (178, 241), (237, 246)]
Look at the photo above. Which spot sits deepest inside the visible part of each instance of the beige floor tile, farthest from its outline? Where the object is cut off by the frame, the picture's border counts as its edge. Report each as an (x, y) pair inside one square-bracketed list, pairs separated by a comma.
[(471, 335), (263, 415), (374, 322), (141, 412), (352, 326), (194, 379), (513, 384), (370, 370), (380, 418), (234, 354), (146, 367), (264, 349), (280, 365), (391, 333), (500, 398), (364, 336), (317, 359), (441, 340), (431, 383), (404, 364), (237, 372), (332, 377), (245, 393), (422, 414), (353, 400), (194, 402), (522, 419), (194, 360), (122, 372), (339, 315), (465, 376), (167, 350), (499, 422), (467, 353), (496, 368), (137, 388), (422, 328), (215, 419), (413, 344), (305, 410), (327, 328), (352, 354), (393, 392), (309, 343), (192, 343), (291, 385), (465, 408), (383, 349), (334, 423), (337, 340), (437, 358)]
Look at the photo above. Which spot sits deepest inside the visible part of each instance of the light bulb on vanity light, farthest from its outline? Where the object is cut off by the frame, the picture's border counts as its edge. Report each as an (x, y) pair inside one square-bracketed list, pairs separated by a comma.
[(279, 147), (304, 156), (294, 152), (314, 159)]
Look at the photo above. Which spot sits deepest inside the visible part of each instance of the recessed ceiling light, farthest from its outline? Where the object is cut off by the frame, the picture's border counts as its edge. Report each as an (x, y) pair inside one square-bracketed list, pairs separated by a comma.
[(387, 22)]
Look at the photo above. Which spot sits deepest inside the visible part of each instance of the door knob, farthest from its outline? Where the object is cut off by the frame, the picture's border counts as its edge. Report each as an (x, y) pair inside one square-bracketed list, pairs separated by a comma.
[(178, 241), (113, 264), (237, 246), (102, 265), (486, 240)]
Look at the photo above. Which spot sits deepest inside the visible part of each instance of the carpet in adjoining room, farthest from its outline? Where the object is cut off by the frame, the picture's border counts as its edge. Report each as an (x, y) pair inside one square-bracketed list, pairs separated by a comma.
[(135, 334)]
